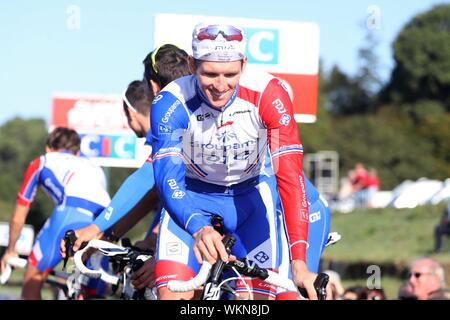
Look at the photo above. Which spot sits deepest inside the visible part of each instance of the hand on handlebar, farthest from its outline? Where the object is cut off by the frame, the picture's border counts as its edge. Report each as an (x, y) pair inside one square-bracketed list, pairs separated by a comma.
[(8, 254), (144, 276), (306, 279), (208, 246), (83, 235)]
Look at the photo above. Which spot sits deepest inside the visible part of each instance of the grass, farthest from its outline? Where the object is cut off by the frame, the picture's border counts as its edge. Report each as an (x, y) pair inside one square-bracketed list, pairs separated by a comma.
[(385, 235), (387, 238), (13, 287)]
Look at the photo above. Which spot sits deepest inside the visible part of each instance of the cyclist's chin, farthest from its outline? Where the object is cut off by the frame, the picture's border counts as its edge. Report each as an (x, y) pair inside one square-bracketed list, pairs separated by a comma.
[(218, 103)]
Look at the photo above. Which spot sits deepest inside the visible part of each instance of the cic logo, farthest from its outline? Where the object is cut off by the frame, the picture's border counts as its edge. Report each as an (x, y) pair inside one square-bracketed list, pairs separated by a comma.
[(262, 45)]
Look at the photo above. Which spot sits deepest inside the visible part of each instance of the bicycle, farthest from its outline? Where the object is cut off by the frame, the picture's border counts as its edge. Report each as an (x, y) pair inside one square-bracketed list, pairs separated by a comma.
[(125, 260), (210, 276)]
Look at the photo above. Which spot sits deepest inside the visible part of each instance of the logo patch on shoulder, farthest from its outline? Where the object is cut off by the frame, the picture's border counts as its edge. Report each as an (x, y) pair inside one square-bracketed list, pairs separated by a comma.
[(163, 129), (178, 194), (285, 119)]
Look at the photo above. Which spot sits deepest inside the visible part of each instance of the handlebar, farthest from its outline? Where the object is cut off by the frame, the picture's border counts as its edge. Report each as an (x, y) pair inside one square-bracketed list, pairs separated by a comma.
[(212, 274), (13, 262), (106, 248), (201, 277), (192, 284)]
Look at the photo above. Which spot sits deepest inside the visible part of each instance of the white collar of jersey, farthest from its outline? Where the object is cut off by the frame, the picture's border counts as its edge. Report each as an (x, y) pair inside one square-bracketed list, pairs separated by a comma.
[(206, 101)]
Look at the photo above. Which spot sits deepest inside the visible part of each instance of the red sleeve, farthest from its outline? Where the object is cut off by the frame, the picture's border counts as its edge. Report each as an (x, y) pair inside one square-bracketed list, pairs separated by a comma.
[(30, 182), (276, 111)]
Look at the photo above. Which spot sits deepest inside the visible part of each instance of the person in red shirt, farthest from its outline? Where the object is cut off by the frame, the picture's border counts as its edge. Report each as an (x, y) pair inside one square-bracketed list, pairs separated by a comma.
[(372, 187)]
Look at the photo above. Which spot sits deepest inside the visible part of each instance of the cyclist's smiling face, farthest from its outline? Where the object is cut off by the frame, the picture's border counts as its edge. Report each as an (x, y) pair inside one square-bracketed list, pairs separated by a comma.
[(219, 79)]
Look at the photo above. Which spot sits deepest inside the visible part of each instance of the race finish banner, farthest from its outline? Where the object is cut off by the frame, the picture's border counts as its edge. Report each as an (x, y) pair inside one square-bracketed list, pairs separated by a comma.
[(289, 50), (102, 125)]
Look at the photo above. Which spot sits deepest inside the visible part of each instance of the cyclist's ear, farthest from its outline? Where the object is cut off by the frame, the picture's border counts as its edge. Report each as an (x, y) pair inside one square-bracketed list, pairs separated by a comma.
[(192, 65), (156, 88)]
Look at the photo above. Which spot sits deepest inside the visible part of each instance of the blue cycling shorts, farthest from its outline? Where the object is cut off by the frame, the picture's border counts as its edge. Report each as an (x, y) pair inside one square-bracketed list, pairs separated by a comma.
[(45, 254), (250, 211)]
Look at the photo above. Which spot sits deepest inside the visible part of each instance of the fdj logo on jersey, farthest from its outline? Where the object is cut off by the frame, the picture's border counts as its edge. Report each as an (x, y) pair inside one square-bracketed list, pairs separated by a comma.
[(262, 46)]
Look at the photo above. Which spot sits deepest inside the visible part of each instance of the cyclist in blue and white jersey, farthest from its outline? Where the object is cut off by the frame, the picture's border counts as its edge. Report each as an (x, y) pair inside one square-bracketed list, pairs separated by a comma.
[(210, 134), (78, 189), (137, 195)]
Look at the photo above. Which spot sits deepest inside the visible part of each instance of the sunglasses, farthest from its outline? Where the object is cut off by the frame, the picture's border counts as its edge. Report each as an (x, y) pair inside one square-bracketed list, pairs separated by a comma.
[(153, 56), (417, 275), (125, 99), (229, 33)]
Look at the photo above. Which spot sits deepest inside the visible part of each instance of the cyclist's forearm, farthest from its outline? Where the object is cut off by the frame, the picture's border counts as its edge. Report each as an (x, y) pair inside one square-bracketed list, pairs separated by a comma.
[(170, 181), (295, 205), (145, 205), (15, 226), (127, 197)]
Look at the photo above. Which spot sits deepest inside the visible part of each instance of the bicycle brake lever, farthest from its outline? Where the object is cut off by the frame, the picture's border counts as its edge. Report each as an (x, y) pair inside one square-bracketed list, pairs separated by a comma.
[(320, 285), (228, 242), (69, 239)]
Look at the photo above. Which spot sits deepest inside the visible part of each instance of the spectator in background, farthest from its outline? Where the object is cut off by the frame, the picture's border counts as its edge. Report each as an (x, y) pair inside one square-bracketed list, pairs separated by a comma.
[(443, 228), (335, 284), (358, 178), (426, 277), (372, 187), (376, 294), (443, 294), (405, 292), (355, 293)]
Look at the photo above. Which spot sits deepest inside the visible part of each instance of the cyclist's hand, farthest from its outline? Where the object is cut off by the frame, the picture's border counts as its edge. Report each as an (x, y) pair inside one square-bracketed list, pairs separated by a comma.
[(304, 278), (86, 234), (208, 245), (145, 276), (8, 254), (83, 235)]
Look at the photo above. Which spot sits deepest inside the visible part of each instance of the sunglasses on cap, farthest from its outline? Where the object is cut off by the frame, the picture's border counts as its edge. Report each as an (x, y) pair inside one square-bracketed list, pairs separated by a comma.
[(229, 33)]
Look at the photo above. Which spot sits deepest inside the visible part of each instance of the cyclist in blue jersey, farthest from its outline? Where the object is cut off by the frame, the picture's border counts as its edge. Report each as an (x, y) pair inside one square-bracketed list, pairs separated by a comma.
[(210, 133), (78, 189), (137, 195), (144, 280)]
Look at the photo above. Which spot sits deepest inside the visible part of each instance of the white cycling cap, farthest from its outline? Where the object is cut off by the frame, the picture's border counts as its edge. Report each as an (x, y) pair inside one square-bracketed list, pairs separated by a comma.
[(218, 42)]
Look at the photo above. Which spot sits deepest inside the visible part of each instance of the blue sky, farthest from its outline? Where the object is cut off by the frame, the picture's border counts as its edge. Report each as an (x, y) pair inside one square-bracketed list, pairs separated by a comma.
[(44, 50)]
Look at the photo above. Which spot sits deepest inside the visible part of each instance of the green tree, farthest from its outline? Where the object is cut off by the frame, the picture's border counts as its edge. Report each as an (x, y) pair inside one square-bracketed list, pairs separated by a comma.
[(387, 142), (20, 142), (422, 57), (345, 95), (368, 78)]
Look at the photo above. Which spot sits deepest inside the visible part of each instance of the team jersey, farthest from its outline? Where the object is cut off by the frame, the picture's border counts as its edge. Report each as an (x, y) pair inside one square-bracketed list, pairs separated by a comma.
[(68, 179), (191, 139)]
